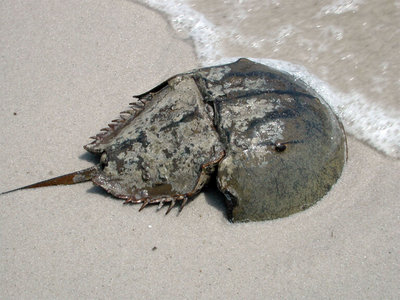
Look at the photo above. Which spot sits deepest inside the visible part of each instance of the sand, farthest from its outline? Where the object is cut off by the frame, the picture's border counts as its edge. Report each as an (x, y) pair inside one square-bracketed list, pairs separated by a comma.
[(68, 68)]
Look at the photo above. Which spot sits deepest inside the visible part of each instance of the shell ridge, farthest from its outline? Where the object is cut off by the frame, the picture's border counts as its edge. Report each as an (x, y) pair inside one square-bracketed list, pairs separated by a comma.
[(115, 125)]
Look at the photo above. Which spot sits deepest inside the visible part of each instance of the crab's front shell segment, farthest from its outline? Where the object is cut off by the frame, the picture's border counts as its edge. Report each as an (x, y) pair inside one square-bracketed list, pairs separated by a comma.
[(276, 146)]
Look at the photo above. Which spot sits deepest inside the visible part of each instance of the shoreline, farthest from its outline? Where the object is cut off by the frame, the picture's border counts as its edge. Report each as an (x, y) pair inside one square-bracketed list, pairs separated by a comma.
[(65, 82)]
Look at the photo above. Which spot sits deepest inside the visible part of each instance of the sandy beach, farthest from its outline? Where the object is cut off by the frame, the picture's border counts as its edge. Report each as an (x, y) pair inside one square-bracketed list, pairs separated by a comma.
[(68, 69)]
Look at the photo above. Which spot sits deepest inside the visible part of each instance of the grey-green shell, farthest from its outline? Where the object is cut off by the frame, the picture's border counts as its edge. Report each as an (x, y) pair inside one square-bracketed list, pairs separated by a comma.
[(229, 119)]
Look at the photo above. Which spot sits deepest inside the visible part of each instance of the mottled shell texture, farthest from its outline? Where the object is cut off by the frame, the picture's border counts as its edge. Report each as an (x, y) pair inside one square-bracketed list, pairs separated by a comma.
[(275, 146)]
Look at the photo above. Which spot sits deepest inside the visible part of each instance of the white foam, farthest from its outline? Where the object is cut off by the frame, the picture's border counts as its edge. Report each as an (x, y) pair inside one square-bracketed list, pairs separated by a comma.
[(366, 121), (188, 21), (341, 6)]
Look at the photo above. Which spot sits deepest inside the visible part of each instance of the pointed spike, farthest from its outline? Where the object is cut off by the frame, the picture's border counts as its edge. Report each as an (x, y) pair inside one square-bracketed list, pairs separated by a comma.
[(145, 202), (129, 112), (184, 201), (71, 178), (137, 106), (135, 102), (94, 137), (171, 205), (160, 205)]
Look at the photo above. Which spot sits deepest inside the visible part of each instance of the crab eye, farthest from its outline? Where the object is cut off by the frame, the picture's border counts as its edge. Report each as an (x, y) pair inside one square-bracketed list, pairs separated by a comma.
[(279, 147)]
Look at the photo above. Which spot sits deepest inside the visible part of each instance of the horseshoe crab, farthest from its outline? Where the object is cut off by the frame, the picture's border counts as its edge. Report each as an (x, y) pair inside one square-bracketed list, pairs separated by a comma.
[(274, 146)]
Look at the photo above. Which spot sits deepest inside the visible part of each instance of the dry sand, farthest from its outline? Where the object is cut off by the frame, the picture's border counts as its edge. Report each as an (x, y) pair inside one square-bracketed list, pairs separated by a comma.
[(68, 68)]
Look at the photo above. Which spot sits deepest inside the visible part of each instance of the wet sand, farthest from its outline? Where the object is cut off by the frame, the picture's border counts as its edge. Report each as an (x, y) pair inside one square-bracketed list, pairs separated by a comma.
[(68, 69)]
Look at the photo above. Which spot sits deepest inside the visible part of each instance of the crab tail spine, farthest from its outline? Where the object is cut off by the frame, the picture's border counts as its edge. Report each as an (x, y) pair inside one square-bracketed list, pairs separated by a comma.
[(71, 178)]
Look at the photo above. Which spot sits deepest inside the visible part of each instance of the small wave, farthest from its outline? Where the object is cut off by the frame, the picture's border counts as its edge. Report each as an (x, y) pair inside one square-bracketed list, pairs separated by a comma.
[(189, 22)]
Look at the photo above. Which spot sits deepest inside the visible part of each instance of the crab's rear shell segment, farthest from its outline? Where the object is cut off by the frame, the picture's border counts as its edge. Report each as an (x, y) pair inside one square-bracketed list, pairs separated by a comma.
[(284, 148)]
